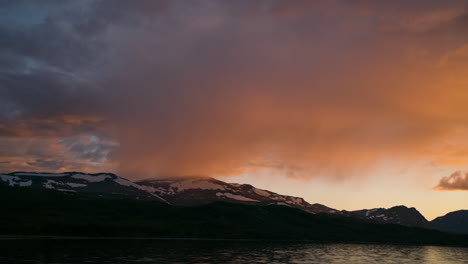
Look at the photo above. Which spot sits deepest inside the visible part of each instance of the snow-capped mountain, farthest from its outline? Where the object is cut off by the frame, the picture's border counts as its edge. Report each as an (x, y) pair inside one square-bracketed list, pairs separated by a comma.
[(176, 191), (455, 222), (103, 184), (195, 191), (203, 190), (401, 215)]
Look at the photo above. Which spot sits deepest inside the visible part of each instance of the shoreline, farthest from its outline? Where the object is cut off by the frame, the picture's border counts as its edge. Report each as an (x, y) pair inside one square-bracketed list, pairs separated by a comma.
[(188, 239)]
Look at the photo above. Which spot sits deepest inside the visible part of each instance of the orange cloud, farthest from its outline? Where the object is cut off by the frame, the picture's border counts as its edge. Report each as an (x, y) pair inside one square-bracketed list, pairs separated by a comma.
[(458, 181), (59, 126), (332, 100)]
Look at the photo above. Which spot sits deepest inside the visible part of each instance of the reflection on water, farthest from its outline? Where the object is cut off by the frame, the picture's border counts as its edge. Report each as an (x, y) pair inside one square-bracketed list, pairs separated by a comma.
[(201, 252)]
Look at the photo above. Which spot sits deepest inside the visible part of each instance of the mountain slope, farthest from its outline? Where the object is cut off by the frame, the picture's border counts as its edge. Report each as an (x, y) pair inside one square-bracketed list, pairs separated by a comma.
[(455, 222), (192, 191), (103, 184), (205, 190), (401, 215), (32, 212)]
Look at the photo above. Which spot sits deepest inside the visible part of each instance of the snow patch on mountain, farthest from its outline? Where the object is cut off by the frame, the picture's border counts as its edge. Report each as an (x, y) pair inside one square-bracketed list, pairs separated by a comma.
[(25, 184), (50, 184), (371, 211), (149, 189), (76, 185), (261, 192), (296, 200), (91, 178), (235, 197), (11, 180), (15, 181), (128, 183), (125, 182), (66, 190)]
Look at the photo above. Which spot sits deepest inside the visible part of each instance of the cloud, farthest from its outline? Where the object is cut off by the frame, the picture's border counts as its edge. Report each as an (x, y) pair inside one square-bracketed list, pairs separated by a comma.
[(300, 98), (323, 88), (47, 164), (457, 181), (90, 148), (85, 153)]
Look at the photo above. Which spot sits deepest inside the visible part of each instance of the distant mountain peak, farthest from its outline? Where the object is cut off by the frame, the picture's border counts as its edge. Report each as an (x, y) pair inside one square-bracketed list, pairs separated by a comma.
[(455, 222), (399, 214)]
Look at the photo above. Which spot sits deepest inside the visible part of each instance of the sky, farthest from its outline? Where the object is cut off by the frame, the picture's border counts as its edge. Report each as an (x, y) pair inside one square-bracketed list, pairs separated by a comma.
[(353, 104)]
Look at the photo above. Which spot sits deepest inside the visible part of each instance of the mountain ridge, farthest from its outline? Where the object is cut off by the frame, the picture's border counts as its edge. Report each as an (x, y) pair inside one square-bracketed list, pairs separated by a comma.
[(203, 190), (399, 214), (55, 214), (455, 222), (103, 184), (197, 190)]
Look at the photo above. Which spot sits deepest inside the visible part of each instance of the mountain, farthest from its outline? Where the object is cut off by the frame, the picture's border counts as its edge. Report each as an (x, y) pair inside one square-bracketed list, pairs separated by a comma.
[(455, 222), (176, 190), (205, 190), (32, 212), (102, 184), (192, 191), (401, 215)]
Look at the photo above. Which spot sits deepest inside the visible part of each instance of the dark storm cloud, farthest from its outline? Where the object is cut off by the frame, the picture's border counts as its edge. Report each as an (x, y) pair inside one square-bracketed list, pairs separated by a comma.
[(53, 127), (48, 88), (40, 70), (88, 153), (51, 66), (90, 148), (47, 164)]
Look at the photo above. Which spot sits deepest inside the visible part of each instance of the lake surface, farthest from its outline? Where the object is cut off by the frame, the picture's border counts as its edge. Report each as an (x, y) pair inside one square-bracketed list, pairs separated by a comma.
[(235, 252)]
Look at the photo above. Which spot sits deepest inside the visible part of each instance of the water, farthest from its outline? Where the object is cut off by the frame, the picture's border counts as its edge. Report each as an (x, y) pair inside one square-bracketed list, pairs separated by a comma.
[(203, 252)]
